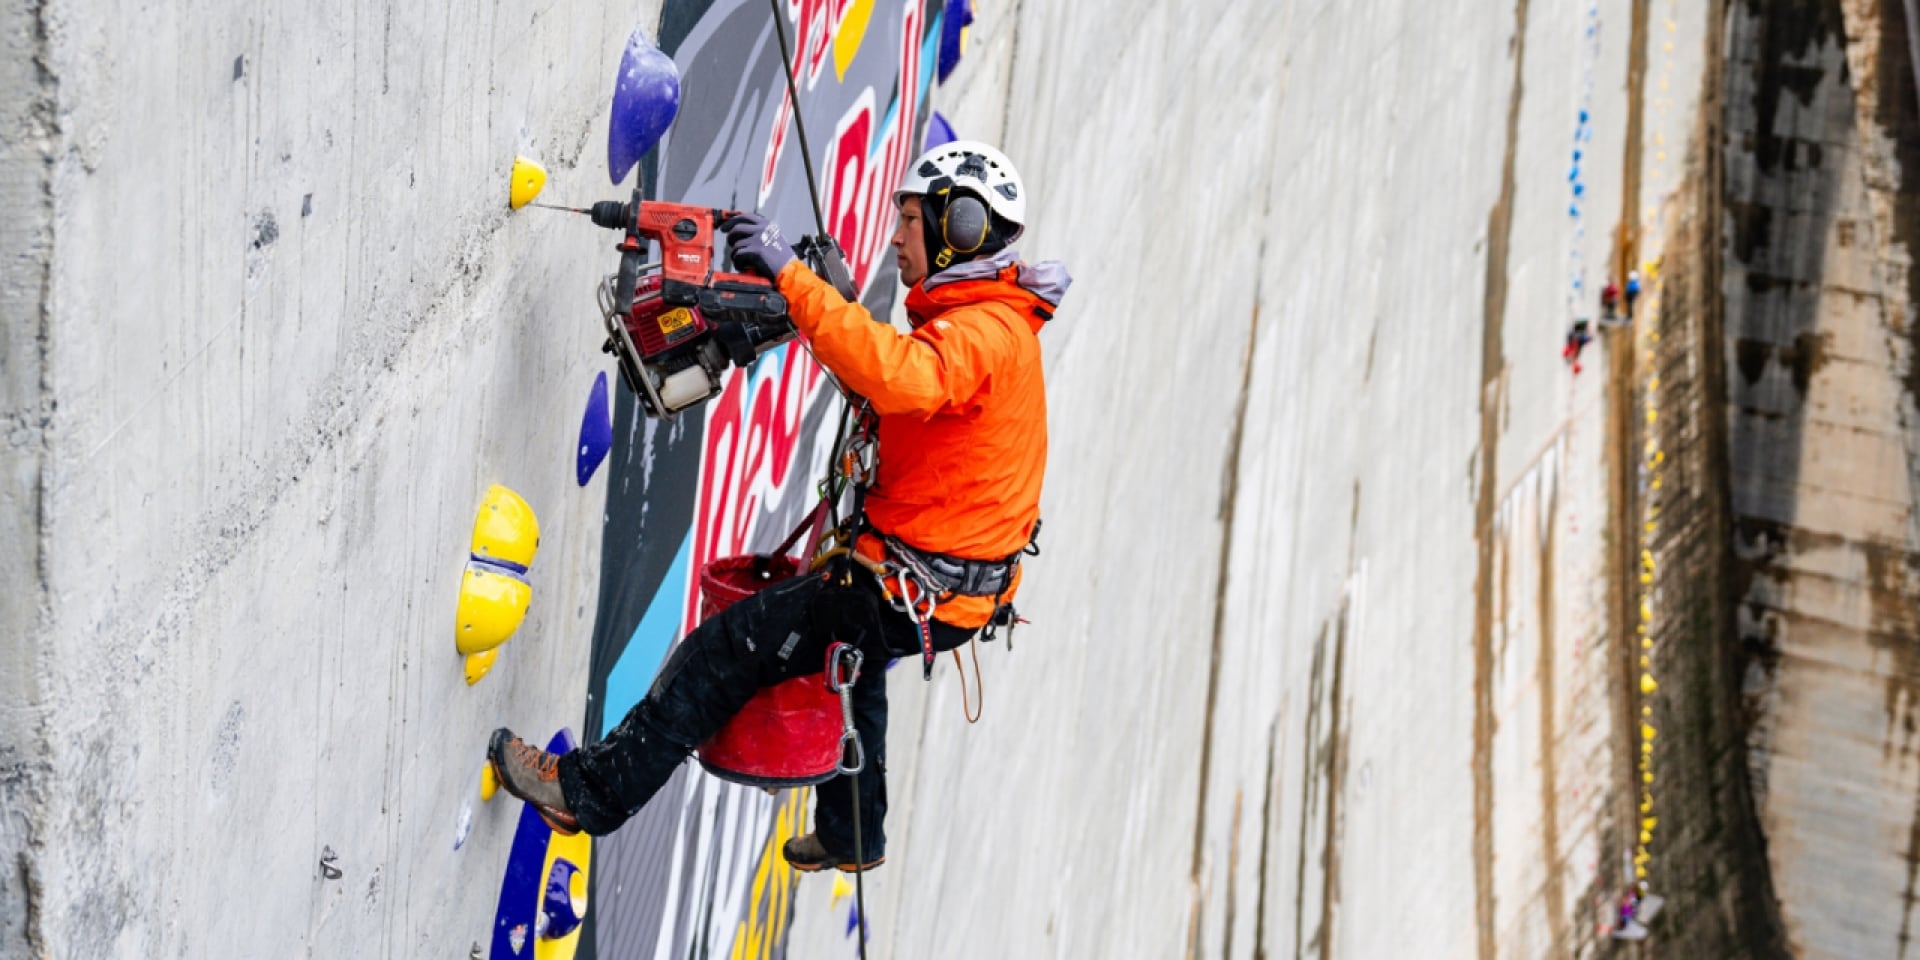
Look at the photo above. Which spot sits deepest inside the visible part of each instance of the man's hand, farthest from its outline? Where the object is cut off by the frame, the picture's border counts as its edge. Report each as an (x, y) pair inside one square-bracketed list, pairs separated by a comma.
[(755, 244)]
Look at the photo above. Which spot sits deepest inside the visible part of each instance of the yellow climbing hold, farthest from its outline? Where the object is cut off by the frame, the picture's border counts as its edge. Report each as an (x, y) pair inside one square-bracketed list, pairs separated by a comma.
[(479, 663), (1647, 685), (841, 889), (505, 529), (489, 783), (528, 179), (1647, 777), (1647, 732), (492, 605)]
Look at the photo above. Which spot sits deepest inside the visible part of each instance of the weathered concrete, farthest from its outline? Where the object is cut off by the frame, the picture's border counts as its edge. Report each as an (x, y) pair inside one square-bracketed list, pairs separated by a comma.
[(1243, 723), (290, 334), (1325, 657), (1824, 445)]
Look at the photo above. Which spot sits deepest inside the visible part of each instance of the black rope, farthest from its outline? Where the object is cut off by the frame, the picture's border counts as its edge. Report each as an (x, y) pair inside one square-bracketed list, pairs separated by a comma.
[(799, 126), (820, 222), (859, 868)]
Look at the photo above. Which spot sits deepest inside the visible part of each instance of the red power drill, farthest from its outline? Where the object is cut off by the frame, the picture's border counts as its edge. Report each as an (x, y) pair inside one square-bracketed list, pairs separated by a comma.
[(675, 324)]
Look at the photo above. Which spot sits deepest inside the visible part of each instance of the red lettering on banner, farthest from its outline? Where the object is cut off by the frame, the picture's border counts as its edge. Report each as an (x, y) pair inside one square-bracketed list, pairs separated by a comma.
[(862, 174), (815, 23), (752, 433)]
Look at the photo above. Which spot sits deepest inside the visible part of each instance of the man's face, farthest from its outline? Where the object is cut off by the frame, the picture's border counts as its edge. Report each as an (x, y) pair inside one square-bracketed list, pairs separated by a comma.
[(910, 243)]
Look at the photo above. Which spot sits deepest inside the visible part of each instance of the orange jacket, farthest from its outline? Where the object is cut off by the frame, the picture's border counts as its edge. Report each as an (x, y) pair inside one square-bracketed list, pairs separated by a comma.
[(961, 401)]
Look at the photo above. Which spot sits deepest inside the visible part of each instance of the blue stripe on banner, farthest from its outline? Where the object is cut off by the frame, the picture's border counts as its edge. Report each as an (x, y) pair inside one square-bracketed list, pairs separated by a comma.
[(627, 682)]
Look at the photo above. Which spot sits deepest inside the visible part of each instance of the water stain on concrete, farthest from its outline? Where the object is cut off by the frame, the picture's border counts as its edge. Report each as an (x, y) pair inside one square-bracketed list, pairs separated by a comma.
[(1492, 378)]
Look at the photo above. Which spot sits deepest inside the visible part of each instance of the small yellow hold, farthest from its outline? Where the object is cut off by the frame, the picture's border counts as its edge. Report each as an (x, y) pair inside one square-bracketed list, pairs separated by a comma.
[(529, 179), (1648, 823), (1646, 748), (1646, 806), (1644, 662), (1639, 873), (1646, 777), (1646, 683), (1647, 732), (489, 783), (479, 663), (841, 889), (1646, 643), (1646, 711), (1646, 837)]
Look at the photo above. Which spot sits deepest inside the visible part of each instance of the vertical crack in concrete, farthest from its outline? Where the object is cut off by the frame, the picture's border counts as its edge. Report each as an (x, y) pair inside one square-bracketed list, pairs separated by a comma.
[(1554, 891), (1492, 370), (1308, 749), (29, 150), (1335, 773), (1266, 836), (1233, 871), (1228, 497)]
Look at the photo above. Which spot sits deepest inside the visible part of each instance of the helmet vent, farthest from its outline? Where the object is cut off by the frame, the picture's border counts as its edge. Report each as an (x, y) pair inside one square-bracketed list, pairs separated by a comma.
[(1009, 191), (927, 169)]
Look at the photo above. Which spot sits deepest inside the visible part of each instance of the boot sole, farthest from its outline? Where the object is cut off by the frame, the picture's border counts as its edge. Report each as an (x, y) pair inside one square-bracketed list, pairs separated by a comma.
[(557, 826), (842, 867)]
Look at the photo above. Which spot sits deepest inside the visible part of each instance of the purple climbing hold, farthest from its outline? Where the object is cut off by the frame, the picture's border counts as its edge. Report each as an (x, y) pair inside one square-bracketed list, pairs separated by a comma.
[(558, 907), (646, 96), (939, 131), (958, 15), (596, 431)]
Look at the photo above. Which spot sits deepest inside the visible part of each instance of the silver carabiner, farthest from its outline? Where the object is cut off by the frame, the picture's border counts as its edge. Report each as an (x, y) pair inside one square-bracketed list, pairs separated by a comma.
[(843, 671)]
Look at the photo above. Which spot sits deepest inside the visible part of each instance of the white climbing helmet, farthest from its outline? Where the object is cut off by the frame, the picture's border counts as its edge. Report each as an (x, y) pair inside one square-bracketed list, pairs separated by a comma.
[(979, 168)]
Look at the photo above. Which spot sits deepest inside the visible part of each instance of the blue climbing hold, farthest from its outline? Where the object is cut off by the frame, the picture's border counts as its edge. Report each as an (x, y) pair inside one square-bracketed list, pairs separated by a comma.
[(939, 131), (646, 96), (1583, 117), (953, 34), (1579, 189), (596, 431)]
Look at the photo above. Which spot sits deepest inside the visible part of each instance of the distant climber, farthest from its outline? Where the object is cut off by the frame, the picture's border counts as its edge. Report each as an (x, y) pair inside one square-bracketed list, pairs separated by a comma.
[(1577, 340), (1610, 303), (961, 411), (1637, 909), (1633, 290)]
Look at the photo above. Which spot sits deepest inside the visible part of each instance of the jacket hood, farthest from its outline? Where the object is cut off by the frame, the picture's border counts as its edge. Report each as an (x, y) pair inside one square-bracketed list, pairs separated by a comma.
[(1003, 276)]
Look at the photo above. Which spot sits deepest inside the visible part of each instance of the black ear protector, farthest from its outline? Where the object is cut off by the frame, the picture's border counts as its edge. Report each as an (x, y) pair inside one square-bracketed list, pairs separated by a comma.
[(958, 219)]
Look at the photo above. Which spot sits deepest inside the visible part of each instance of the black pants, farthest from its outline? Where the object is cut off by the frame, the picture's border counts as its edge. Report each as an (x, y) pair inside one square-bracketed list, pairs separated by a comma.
[(777, 634)]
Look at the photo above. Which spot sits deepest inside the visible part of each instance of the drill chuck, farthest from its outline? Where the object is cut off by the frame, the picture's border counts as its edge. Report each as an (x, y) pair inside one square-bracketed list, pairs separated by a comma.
[(611, 214)]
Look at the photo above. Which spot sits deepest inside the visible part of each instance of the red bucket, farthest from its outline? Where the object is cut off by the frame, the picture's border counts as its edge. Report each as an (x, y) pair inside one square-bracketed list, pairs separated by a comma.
[(788, 735)]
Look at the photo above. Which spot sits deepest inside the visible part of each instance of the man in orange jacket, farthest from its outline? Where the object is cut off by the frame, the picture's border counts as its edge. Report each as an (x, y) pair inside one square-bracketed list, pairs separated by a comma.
[(954, 502)]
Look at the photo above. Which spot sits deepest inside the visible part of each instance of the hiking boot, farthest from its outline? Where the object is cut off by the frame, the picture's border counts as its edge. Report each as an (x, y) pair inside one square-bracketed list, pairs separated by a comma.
[(808, 855), (533, 775)]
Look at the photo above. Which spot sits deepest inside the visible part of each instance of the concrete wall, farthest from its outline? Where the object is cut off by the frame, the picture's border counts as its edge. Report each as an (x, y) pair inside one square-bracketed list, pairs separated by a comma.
[(1824, 445), (1324, 656), (1322, 660), (291, 335)]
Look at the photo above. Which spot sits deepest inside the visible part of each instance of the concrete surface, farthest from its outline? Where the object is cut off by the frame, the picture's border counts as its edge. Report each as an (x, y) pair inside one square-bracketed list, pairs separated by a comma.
[(289, 335), (1326, 655)]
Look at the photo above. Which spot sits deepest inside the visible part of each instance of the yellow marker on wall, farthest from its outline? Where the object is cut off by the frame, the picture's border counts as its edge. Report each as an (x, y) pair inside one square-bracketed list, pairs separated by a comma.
[(527, 180)]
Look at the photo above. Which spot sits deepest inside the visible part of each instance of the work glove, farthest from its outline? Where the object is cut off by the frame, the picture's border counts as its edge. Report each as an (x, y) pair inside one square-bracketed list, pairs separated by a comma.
[(755, 244)]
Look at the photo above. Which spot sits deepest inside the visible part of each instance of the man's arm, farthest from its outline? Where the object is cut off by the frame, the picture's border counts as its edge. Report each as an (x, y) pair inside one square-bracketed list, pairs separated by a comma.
[(943, 363)]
